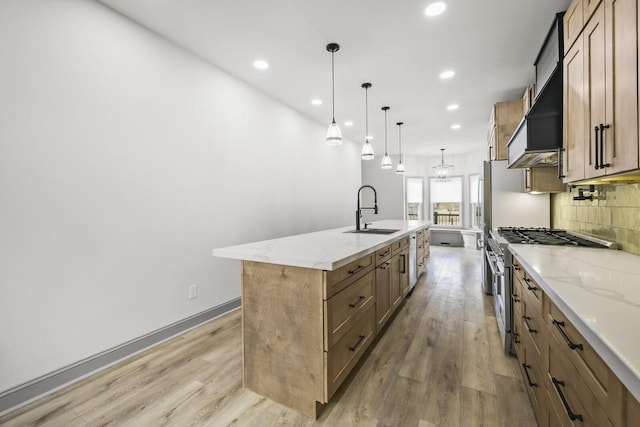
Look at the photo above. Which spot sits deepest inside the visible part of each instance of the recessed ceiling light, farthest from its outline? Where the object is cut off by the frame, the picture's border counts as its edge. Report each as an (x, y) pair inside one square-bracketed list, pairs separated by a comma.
[(348, 123), (316, 101), (436, 8), (447, 74), (260, 64), (456, 126), (452, 107)]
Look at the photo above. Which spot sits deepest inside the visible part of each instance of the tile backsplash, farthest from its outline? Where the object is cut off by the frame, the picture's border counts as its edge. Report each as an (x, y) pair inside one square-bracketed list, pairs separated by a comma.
[(614, 214)]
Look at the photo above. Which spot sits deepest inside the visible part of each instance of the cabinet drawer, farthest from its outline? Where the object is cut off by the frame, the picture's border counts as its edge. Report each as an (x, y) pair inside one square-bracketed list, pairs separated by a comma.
[(599, 379), (383, 255), (573, 401), (530, 291), (346, 307), (532, 325), (347, 351), (400, 244), (534, 384), (339, 279), (517, 332)]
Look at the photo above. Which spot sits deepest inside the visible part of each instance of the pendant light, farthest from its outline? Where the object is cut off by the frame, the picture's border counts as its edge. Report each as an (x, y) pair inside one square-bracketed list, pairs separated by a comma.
[(386, 160), (400, 168), (442, 170), (367, 148), (334, 136)]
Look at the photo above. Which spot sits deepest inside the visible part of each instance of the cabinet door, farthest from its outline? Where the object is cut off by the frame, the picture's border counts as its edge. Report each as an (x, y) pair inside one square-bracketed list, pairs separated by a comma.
[(574, 134), (404, 272), (588, 7), (395, 289), (621, 139), (611, 61), (595, 88), (573, 23), (383, 297)]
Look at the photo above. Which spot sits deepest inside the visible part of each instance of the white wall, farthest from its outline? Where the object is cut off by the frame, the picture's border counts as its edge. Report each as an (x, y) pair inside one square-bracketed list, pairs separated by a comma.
[(388, 185), (123, 162), (391, 186)]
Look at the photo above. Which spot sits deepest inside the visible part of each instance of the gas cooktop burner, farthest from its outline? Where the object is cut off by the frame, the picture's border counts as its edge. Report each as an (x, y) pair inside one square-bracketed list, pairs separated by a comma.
[(545, 236)]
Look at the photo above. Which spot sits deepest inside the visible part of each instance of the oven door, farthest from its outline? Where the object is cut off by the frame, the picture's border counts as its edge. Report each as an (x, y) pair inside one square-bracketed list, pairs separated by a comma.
[(499, 287)]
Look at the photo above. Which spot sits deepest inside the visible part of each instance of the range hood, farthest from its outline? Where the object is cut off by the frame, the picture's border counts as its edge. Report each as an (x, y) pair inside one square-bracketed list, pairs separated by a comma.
[(537, 141), (538, 138)]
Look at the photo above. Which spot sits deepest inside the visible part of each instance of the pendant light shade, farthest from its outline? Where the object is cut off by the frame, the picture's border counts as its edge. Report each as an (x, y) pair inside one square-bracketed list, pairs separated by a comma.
[(367, 148), (334, 136), (443, 171), (386, 160), (400, 168)]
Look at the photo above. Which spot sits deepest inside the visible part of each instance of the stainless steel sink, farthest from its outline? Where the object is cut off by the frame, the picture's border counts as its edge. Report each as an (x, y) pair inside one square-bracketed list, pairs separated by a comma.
[(373, 231)]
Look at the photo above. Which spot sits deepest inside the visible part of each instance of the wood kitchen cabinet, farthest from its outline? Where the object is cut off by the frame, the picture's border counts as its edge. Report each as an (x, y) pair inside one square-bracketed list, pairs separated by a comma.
[(530, 337), (567, 381), (392, 279), (383, 293), (600, 89), (505, 118), (543, 180), (306, 323), (304, 329), (422, 249)]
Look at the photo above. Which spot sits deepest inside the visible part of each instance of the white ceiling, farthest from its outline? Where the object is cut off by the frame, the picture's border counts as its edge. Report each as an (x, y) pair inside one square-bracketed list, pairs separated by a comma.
[(491, 44)]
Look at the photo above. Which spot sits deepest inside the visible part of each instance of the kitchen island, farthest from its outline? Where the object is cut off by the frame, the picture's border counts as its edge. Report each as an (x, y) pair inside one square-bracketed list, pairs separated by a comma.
[(313, 303), (576, 313)]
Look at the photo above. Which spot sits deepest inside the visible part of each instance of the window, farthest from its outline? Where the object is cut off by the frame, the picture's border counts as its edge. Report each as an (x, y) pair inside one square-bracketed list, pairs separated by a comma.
[(446, 201), (414, 198), (475, 200)]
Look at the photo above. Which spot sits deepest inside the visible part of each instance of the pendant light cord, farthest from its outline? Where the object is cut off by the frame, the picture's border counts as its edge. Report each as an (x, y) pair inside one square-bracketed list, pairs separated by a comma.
[(385, 132), (366, 114), (400, 140), (333, 92)]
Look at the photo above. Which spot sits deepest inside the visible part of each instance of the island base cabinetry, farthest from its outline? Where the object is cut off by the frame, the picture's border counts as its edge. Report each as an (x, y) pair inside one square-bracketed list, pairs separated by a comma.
[(305, 329)]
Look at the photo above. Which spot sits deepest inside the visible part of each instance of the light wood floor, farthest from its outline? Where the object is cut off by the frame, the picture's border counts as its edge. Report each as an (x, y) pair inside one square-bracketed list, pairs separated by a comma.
[(439, 363)]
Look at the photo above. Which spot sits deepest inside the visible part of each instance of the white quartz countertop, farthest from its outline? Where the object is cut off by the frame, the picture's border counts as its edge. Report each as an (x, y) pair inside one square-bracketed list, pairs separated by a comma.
[(599, 292), (323, 250)]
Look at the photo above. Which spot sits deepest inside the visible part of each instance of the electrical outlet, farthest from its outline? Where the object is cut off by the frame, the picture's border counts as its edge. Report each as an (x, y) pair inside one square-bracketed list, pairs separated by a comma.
[(193, 291)]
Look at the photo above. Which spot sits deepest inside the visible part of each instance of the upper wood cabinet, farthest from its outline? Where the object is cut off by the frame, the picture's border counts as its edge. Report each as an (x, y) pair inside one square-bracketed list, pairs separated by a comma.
[(601, 91), (573, 102), (505, 118), (542, 180), (573, 23)]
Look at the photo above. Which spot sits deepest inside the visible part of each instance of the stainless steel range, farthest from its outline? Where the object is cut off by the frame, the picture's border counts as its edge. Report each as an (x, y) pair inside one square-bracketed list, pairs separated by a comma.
[(498, 262), (550, 236)]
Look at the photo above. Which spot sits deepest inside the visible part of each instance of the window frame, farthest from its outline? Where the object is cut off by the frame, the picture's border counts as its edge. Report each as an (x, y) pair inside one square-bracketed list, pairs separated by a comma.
[(461, 202)]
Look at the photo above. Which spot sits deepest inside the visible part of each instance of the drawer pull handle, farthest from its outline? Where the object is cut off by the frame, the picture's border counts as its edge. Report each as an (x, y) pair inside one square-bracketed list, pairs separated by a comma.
[(383, 254), (355, 270), (357, 344), (515, 338), (355, 304), (404, 264), (531, 288), (526, 371), (557, 384), (526, 323), (572, 346), (384, 266), (514, 298)]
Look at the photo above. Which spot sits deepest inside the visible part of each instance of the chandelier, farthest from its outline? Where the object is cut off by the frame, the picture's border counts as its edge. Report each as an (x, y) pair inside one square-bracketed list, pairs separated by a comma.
[(443, 171)]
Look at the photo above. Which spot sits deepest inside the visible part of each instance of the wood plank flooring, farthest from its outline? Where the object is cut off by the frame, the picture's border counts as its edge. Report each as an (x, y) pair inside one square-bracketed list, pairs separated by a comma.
[(439, 363)]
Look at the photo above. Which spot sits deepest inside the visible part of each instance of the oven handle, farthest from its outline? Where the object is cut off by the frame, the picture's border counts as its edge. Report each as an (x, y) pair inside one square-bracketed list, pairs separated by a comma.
[(491, 260)]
